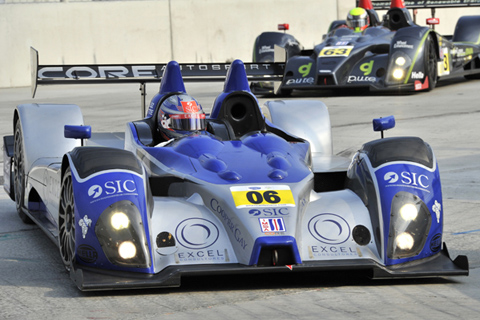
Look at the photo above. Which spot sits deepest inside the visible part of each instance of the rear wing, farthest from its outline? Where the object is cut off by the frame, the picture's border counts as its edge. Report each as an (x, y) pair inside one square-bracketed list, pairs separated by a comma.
[(144, 73), (419, 4)]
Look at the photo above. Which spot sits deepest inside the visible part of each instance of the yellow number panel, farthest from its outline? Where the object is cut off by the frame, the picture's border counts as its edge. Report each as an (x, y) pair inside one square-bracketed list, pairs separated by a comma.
[(262, 196)]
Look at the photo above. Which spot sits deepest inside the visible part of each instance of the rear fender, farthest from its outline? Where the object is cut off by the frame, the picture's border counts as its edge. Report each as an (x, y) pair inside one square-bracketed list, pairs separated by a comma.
[(312, 115), (263, 48), (43, 130), (107, 180)]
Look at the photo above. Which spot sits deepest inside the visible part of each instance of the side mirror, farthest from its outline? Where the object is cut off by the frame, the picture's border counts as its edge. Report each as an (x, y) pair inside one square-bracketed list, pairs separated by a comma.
[(77, 132), (382, 124)]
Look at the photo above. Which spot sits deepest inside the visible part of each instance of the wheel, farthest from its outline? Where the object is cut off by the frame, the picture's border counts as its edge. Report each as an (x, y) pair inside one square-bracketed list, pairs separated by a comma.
[(431, 63), (475, 64), (66, 221), (19, 174)]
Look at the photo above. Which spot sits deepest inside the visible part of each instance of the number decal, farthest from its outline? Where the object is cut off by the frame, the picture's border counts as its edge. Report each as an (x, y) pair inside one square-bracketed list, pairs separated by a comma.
[(335, 51), (266, 196), (446, 64)]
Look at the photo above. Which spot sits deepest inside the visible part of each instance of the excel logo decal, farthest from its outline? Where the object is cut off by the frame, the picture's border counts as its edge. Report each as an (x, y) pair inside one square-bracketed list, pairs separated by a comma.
[(305, 69), (262, 196), (338, 51), (367, 68)]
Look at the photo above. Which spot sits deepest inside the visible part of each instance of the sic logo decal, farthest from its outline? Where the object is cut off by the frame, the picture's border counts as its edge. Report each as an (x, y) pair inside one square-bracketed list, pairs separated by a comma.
[(271, 196)]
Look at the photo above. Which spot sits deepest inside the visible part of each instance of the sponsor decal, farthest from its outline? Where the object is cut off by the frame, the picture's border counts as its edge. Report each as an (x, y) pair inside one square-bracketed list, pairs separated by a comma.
[(367, 68), (112, 189), (332, 251), (329, 228), (129, 71), (341, 43), (85, 223), (361, 79), (196, 233), (407, 179), (309, 80), (257, 196), (265, 49), (87, 253), (446, 61), (189, 106), (201, 255), (305, 69), (272, 224), (436, 242), (268, 212), (418, 75), (402, 44), (336, 51), (237, 233), (421, 86), (95, 191), (437, 208)]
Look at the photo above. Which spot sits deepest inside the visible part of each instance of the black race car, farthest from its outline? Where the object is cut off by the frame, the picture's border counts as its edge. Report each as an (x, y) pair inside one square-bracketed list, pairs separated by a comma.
[(392, 53)]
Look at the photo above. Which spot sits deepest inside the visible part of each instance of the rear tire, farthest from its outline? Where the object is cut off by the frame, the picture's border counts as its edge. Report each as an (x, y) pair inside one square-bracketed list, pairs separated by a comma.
[(66, 221), (19, 174)]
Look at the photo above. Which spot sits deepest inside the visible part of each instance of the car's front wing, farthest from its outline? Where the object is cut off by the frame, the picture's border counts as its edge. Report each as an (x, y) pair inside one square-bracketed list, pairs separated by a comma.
[(91, 279)]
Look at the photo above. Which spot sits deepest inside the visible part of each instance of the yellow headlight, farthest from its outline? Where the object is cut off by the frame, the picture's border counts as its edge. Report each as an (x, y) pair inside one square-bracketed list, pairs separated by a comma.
[(119, 221), (127, 250), (409, 212), (400, 61), (398, 74), (404, 241)]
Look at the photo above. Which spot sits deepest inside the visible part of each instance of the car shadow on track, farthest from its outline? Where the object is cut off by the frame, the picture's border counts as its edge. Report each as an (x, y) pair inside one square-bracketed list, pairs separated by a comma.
[(269, 282), (360, 92)]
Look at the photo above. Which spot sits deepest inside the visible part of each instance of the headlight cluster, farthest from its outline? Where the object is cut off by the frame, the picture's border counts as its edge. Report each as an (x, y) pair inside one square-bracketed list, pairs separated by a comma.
[(410, 222), (399, 65), (122, 237)]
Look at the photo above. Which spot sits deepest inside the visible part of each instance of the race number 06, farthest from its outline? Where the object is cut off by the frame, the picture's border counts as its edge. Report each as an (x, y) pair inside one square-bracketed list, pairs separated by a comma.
[(256, 197)]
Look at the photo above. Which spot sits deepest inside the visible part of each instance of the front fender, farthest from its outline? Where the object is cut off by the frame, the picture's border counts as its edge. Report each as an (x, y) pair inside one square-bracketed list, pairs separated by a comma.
[(107, 181), (409, 44), (390, 173)]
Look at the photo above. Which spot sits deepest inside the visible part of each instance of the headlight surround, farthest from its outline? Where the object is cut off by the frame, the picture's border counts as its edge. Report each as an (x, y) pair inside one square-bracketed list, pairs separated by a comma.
[(120, 231), (410, 221), (399, 65)]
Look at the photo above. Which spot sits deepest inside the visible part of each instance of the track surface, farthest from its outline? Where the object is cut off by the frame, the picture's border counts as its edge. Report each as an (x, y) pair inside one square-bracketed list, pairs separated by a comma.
[(34, 285)]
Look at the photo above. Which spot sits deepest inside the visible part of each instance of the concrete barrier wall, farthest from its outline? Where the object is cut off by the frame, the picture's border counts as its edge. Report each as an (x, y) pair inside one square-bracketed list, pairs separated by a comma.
[(159, 31)]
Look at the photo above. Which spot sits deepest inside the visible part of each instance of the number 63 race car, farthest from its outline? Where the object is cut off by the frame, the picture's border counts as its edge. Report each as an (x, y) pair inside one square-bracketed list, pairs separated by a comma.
[(394, 54), (248, 189)]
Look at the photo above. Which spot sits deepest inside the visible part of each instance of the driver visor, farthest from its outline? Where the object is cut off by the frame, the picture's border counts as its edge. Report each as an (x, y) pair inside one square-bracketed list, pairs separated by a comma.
[(188, 121), (357, 23)]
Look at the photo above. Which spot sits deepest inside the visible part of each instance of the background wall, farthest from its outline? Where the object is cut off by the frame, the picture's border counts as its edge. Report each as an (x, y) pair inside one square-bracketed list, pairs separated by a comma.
[(160, 31)]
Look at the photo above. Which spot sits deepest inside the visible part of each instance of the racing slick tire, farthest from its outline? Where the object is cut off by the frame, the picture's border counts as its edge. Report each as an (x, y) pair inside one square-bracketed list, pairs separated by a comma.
[(19, 173), (430, 61), (66, 221), (475, 64)]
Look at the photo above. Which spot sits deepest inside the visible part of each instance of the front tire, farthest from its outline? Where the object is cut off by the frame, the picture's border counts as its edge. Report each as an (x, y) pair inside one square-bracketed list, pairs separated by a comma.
[(430, 61), (66, 221), (19, 173)]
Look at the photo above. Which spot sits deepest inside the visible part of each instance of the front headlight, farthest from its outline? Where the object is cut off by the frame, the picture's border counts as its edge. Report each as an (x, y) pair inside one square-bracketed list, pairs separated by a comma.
[(410, 222), (120, 231), (399, 65)]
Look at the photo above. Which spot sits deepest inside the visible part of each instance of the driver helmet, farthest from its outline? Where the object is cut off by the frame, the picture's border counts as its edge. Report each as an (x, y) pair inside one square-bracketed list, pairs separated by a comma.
[(357, 19), (180, 115)]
